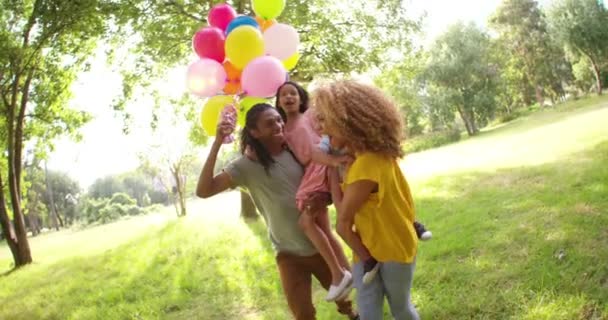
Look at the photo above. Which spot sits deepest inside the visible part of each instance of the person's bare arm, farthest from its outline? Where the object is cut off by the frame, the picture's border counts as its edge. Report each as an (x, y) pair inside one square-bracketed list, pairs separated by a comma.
[(208, 184), (347, 205), (318, 156)]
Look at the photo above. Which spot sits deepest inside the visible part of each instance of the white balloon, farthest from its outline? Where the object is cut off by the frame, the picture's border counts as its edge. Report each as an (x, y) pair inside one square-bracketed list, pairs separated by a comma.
[(281, 41)]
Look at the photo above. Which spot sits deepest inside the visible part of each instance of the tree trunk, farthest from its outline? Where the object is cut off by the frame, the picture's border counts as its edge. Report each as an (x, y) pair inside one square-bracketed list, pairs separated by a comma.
[(539, 96), (7, 228), (34, 223), (61, 224), (598, 78), (180, 194), (465, 119), (14, 144), (248, 209)]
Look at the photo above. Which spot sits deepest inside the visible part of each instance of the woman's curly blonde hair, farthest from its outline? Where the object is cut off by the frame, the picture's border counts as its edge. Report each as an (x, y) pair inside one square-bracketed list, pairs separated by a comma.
[(362, 115)]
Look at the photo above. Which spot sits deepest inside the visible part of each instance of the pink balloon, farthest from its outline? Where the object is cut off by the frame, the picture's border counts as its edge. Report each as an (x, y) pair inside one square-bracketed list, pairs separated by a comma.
[(281, 41), (205, 77), (209, 43), (263, 76), (221, 15)]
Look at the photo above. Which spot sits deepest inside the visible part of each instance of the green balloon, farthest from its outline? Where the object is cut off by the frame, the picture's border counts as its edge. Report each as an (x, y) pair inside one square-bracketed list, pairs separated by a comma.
[(268, 9)]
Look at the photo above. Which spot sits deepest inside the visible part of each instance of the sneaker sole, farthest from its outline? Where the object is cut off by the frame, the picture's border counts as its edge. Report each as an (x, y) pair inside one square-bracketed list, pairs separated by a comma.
[(347, 289)]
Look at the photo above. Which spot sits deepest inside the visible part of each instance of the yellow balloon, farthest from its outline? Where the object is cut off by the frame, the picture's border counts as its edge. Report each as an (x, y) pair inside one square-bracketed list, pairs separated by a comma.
[(211, 113), (291, 62), (245, 104), (244, 44), (268, 9)]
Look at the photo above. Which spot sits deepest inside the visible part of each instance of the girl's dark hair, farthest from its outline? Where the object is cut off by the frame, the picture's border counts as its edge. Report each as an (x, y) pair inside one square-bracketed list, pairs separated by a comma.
[(264, 157), (303, 99)]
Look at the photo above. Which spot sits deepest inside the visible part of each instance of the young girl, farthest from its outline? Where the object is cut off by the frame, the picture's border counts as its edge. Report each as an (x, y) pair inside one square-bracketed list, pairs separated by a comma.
[(302, 138), (376, 197)]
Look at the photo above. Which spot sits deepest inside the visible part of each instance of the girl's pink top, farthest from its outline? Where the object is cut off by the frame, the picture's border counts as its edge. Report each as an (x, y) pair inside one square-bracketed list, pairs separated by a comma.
[(303, 137)]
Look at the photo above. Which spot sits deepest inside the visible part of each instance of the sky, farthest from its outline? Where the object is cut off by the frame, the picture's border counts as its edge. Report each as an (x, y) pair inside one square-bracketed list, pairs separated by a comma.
[(105, 150)]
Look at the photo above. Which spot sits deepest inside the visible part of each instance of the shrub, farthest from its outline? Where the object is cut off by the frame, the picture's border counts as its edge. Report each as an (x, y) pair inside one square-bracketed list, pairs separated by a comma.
[(122, 198)]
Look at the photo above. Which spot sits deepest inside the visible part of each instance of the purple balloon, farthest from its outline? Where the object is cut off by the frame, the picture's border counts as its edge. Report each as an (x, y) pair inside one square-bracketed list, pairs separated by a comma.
[(263, 76)]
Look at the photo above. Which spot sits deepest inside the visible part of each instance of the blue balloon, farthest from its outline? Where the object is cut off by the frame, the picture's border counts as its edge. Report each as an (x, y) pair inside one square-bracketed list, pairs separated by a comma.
[(241, 21)]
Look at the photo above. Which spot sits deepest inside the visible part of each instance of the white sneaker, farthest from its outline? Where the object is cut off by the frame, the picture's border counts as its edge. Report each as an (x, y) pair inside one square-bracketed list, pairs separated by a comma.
[(427, 235), (336, 291), (346, 293), (370, 275)]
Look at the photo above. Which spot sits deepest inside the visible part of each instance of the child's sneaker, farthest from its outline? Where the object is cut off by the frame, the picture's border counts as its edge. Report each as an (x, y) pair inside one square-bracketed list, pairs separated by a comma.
[(370, 269), (422, 233), (336, 291)]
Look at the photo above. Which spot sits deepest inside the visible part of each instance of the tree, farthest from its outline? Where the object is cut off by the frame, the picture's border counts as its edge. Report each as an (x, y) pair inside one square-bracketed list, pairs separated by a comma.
[(459, 62), (43, 44), (532, 63), (580, 25), (171, 153), (61, 195), (401, 81), (35, 210), (106, 187)]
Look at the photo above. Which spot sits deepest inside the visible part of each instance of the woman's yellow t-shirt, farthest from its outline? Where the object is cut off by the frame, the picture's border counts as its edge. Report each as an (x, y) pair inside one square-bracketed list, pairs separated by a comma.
[(385, 222)]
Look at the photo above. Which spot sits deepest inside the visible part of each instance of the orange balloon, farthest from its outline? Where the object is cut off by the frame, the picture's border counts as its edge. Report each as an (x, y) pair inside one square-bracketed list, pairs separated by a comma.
[(233, 79), (264, 24)]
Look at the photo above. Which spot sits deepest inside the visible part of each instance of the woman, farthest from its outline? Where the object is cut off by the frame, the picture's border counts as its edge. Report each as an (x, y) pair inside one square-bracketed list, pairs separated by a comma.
[(376, 198)]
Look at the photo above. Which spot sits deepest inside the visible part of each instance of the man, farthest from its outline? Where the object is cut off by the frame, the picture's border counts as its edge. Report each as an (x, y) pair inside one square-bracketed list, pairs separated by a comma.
[(272, 175)]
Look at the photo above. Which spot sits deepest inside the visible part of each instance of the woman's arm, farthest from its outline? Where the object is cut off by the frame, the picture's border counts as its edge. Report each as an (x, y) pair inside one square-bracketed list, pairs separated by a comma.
[(347, 205), (318, 156)]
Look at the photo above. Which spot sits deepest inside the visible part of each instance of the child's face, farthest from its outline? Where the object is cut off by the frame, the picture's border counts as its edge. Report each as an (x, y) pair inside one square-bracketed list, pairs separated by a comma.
[(289, 99), (336, 142)]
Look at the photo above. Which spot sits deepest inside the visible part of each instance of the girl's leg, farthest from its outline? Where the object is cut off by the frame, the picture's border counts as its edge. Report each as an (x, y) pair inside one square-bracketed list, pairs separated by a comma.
[(322, 220), (321, 243), (397, 279)]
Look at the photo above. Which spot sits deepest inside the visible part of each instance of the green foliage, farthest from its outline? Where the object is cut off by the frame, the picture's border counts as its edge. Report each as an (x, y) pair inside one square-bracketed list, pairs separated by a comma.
[(580, 25), (532, 63), (90, 208), (106, 187), (122, 199), (459, 67), (137, 185), (106, 210), (400, 81)]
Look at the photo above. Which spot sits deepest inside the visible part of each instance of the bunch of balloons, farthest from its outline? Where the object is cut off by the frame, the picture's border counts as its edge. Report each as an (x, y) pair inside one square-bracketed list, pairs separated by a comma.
[(241, 56)]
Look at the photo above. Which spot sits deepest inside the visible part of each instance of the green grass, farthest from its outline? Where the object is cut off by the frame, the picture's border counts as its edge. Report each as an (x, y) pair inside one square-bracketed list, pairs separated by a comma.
[(503, 208)]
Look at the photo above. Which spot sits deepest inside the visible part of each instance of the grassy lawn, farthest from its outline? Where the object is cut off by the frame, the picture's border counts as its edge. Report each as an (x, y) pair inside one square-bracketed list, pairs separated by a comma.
[(519, 217)]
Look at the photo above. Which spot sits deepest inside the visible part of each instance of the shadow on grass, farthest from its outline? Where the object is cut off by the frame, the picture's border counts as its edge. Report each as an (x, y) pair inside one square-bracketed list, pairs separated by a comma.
[(516, 244), (8, 272), (185, 271)]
